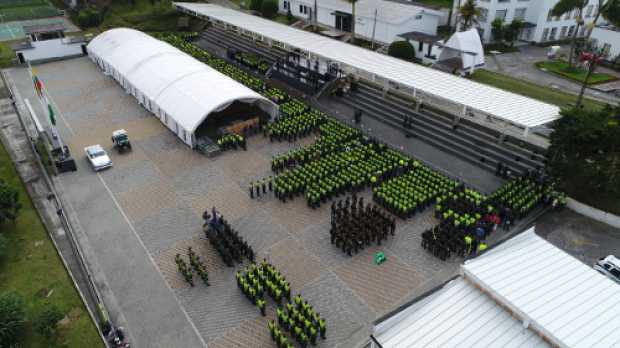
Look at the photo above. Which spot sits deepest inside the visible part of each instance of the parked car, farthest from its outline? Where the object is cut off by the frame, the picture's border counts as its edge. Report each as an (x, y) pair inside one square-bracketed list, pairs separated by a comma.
[(97, 157), (610, 267)]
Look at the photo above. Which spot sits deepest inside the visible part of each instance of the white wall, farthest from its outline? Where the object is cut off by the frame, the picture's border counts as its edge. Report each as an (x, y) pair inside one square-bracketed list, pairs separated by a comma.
[(607, 36), (50, 49), (384, 32)]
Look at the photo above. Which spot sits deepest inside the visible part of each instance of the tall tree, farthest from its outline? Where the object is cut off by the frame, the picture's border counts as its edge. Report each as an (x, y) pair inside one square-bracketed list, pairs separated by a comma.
[(584, 155), (563, 7), (468, 14), (608, 9)]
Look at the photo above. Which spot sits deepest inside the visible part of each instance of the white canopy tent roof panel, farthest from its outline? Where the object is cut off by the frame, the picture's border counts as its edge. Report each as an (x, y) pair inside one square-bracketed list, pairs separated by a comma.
[(513, 108), (567, 301), (458, 315), (185, 88)]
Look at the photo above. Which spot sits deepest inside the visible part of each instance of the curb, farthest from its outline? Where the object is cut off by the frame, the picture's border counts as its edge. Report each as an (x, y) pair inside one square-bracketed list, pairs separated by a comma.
[(593, 213)]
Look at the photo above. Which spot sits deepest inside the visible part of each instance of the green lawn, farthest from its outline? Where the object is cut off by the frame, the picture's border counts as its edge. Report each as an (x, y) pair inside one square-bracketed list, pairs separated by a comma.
[(577, 74), (143, 16), (528, 89), (6, 55), (14, 10), (34, 270), (440, 3)]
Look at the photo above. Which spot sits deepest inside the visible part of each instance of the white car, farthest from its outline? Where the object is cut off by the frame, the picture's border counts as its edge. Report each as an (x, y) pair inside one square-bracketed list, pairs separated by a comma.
[(97, 157), (610, 267)]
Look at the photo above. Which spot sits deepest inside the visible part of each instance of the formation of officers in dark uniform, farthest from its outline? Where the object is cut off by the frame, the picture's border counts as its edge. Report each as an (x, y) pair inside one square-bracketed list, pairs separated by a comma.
[(355, 225), (228, 243)]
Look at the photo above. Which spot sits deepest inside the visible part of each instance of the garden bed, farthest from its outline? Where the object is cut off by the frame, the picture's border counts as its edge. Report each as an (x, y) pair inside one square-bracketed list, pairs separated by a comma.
[(577, 74)]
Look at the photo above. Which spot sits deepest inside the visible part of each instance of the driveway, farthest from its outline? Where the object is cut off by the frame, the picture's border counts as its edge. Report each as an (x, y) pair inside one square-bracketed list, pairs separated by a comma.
[(521, 65)]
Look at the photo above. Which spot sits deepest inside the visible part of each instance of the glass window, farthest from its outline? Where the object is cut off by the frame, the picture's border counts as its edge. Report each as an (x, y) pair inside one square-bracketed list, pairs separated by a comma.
[(501, 14), (571, 30), (563, 32), (545, 34), (520, 13), (553, 32)]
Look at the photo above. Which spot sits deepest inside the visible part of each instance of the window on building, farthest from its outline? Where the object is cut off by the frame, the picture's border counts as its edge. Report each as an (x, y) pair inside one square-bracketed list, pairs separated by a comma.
[(545, 34), (482, 17), (503, 1), (303, 9), (582, 31), (552, 35), (563, 32), (520, 13), (606, 48), (571, 30), (589, 11), (501, 14), (285, 5), (549, 16)]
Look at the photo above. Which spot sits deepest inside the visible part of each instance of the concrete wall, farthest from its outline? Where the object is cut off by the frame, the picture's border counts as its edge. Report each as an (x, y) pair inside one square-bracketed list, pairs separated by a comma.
[(51, 49), (593, 213)]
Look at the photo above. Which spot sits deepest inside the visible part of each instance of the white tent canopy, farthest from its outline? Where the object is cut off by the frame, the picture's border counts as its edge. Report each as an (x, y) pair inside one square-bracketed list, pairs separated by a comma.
[(483, 100), (467, 46), (177, 88)]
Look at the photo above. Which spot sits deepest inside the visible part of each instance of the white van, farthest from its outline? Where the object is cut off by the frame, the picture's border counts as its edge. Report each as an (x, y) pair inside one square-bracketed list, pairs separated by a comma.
[(610, 267)]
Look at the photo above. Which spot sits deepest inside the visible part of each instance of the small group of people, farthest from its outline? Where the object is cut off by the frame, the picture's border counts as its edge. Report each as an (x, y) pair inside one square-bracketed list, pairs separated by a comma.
[(256, 188), (355, 225), (228, 243), (256, 279), (195, 264), (115, 335), (300, 319)]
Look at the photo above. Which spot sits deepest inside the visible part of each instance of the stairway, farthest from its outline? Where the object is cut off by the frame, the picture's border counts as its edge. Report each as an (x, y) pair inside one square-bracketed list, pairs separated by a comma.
[(228, 39)]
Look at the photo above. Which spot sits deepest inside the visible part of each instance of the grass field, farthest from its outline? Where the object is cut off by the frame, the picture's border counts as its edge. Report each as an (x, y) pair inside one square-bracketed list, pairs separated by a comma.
[(17, 10), (6, 55), (576, 74), (143, 16), (34, 270), (439, 3), (528, 89)]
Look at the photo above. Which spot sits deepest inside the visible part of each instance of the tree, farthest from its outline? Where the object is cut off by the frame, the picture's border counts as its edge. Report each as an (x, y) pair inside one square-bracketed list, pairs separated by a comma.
[(563, 7), (468, 14), (46, 322), (511, 32), (9, 202), (352, 20), (12, 318), (584, 155), (497, 29), (610, 10), (401, 49), (269, 8), (256, 5), (592, 57)]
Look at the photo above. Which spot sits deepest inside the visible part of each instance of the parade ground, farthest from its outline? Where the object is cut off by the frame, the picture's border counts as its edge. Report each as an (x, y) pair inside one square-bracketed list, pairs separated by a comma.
[(136, 216)]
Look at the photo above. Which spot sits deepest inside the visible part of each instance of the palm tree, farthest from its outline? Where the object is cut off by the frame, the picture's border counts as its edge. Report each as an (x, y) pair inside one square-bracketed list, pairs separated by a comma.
[(352, 20), (610, 10), (468, 14), (568, 6)]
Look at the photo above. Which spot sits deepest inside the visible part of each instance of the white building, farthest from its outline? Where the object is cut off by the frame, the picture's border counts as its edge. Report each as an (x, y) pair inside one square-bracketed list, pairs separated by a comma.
[(607, 38), (539, 24), (382, 19)]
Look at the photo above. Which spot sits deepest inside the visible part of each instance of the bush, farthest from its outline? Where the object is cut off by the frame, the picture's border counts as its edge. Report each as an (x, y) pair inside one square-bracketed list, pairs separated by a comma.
[(88, 18), (9, 202), (401, 49), (4, 246), (12, 318), (256, 5), (47, 321), (269, 8)]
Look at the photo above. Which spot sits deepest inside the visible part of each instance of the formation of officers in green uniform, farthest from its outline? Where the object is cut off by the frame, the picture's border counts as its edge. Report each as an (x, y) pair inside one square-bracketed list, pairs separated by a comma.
[(255, 280), (231, 141), (299, 319), (296, 121), (196, 264), (355, 225), (228, 243), (412, 192)]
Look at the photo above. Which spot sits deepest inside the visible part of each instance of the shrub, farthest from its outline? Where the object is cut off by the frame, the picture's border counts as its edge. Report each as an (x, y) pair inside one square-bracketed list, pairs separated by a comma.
[(4, 247), (47, 321), (12, 318), (88, 18), (269, 8), (256, 5), (9, 202), (401, 49)]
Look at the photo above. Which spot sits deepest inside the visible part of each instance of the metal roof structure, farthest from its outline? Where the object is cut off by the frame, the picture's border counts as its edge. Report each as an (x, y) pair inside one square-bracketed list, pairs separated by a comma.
[(459, 315), (525, 292), (564, 300), (477, 98), (184, 88)]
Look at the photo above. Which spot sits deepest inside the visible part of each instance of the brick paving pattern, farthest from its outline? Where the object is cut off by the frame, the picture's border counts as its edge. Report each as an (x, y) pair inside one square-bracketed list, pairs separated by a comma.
[(164, 187)]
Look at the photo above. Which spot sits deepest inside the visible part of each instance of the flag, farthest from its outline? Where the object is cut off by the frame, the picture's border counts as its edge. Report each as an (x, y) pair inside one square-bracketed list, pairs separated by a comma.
[(51, 114)]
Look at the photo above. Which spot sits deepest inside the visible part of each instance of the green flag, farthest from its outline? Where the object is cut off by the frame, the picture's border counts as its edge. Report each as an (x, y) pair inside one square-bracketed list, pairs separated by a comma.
[(51, 112)]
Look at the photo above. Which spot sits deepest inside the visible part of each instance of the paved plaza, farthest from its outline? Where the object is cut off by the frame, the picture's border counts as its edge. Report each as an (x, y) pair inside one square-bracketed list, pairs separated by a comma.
[(136, 216)]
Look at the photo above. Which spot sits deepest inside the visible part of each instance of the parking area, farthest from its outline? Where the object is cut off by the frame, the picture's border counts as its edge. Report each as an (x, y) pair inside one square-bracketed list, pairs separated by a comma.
[(136, 216)]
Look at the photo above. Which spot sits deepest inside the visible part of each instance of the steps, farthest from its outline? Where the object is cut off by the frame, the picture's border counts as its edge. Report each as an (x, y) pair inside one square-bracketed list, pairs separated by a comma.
[(227, 39)]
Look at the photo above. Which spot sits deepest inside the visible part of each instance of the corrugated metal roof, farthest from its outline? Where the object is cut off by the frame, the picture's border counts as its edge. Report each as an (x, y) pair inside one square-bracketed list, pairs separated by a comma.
[(459, 315), (511, 107), (567, 301)]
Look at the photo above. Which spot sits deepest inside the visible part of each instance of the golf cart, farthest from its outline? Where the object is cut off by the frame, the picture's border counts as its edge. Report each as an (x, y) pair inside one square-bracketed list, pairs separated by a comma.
[(120, 139)]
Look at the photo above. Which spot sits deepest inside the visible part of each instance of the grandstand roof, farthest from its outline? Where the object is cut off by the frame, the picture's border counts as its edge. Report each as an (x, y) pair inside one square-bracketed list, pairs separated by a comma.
[(513, 108), (523, 293), (185, 88)]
